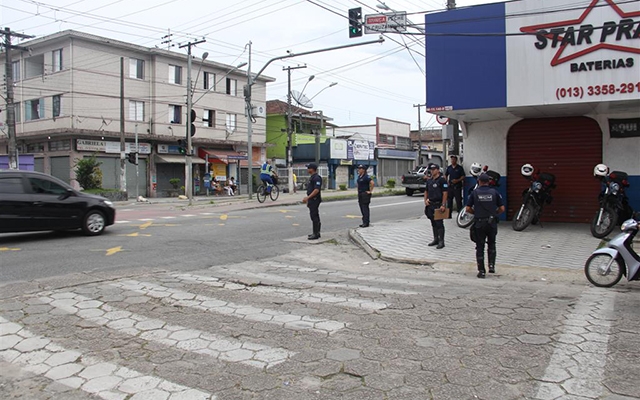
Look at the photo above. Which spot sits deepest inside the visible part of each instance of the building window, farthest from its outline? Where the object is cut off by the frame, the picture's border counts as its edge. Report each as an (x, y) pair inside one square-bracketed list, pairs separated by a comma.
[(56, 60), (136, 110), (18, 108), (231, 122), (136, 68), (175, 114), (403, 143), (209, 81), (34, 66), (57, 106), (33, 109), (35, 148), (232, 86), (387, 139), (16, 71), (60, 145), (175, 74), (209, 119)]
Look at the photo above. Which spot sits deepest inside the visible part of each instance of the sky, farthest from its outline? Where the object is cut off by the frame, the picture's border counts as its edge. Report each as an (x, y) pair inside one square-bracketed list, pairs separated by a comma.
[(375, 80)]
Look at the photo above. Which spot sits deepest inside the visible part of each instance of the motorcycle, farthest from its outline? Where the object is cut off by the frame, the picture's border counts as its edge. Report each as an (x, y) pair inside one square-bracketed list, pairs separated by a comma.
[(614, 204), (464, 219), (534, 198), (607, 264)]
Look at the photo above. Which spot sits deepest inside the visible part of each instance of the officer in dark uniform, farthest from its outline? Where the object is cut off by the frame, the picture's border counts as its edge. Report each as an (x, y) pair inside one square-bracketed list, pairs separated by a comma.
[(365, 189), (486, 204), (455, 179), (313, 199), (435, 197)]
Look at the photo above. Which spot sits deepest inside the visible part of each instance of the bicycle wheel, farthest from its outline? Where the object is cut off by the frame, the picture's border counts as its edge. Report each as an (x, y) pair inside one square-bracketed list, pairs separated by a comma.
[(261, 194), (275, 192)]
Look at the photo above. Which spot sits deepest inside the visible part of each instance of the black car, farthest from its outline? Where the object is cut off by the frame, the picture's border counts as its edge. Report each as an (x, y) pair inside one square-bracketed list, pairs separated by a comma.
[(31, 201)]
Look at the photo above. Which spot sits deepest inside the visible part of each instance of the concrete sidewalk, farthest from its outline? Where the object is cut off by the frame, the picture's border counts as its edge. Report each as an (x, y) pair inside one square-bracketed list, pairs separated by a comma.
[(554, 246)]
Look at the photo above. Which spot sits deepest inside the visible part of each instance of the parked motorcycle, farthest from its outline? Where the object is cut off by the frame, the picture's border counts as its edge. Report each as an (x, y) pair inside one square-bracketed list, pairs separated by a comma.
[(614, 204), (534, 198), (607, 264), (464, 219)]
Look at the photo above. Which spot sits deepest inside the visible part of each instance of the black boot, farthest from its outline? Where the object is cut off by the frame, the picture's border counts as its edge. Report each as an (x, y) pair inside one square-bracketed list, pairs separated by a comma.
[(316, 232), (440, 238), (435, 237), (481, 271), (492, 262)]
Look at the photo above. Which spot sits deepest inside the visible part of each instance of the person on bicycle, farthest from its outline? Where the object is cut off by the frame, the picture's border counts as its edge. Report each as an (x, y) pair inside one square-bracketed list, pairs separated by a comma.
[(266, 175)]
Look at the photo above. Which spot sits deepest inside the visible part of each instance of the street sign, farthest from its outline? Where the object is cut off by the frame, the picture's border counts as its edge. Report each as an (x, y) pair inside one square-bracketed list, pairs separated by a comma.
[(385, 23), (442, 120)]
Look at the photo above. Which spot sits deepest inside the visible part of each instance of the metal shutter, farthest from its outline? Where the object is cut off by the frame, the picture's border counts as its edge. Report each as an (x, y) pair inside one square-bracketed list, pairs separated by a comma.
[(569, 148), (60, 168)]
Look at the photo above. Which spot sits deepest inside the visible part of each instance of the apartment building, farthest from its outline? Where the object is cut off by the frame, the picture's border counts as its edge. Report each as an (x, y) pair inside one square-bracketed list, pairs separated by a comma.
[(68, 106)]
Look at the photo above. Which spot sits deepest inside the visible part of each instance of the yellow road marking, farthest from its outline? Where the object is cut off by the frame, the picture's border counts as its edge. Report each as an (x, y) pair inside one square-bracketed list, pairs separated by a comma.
[(295, 224), (113, 250), (146, 225), (136, 234), (287, 211), (353, 216), (289, 216), (224, 217), (9, 249)]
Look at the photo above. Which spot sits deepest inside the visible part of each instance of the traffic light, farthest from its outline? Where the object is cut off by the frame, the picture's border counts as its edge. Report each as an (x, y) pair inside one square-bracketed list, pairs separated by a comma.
[(192, 121), (131, 157), (355, 22), (182, 146)]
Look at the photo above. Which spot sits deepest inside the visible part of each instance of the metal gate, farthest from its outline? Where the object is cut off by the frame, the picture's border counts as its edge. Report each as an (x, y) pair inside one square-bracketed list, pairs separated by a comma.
[(569, 148), (60, 168)]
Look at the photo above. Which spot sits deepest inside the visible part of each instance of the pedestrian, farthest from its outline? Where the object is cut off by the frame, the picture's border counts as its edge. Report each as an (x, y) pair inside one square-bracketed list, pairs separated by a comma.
[(455, 179), (365, 189), (485, 203), (295, 183), (435, 198), (313, 199)]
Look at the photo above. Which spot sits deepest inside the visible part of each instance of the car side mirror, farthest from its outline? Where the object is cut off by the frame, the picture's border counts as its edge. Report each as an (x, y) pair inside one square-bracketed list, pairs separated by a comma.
[(68, 193)]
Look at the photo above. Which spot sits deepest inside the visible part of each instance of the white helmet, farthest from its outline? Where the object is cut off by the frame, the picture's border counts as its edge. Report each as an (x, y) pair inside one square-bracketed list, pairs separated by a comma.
[(600, 170), (475, 169), (526, 170)]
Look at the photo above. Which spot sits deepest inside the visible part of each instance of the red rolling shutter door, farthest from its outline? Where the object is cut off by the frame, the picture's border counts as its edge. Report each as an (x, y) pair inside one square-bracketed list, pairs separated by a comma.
[(569, 148)]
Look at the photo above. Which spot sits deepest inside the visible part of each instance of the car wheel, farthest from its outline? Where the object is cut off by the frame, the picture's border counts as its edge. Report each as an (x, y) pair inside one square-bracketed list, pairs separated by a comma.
[(94, 223)]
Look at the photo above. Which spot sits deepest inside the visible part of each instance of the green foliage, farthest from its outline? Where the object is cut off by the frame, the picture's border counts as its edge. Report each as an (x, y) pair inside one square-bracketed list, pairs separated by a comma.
[(343, 186), (88, 173), (174, 182), (391, 183)]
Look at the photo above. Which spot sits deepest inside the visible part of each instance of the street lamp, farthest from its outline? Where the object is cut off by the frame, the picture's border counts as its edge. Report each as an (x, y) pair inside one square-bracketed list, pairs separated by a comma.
[(204, 57), (308, 80), (325, 88)]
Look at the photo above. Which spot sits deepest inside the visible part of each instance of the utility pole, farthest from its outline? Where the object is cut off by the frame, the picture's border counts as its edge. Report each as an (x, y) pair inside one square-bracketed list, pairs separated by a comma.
[(189, 160), (123, 163), (249, 112), (289, 127), (451, 4), (137, 161), (11, 110), (419, 132), (318, 137)]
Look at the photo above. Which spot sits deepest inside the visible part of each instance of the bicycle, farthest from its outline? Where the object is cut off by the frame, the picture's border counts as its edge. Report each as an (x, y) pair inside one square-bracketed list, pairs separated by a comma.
[(262, 194)]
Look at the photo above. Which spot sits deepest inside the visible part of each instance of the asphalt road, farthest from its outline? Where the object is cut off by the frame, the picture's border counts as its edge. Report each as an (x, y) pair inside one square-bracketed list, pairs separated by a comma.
[(184, 239)]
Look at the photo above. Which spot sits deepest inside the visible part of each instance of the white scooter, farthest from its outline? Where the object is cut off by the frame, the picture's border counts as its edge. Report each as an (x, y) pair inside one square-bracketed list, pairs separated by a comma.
[(606, 265)]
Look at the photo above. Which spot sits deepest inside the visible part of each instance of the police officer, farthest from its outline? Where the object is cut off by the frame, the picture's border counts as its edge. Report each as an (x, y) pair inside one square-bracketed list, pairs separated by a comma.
[(313, 199), (455, 179), (435, 197), (365, 188), (486, 204)]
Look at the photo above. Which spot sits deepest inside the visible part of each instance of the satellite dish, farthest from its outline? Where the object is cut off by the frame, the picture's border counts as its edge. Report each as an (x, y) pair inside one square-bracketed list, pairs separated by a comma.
[(301, 99)]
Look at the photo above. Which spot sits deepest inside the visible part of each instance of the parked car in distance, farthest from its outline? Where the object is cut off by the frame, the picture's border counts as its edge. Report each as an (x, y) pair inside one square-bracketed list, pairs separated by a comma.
[(414, 181), (32, 201)]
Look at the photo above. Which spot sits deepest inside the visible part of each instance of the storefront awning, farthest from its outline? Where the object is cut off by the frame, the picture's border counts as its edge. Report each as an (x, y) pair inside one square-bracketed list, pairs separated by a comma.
[(174, 159), (225, 156)]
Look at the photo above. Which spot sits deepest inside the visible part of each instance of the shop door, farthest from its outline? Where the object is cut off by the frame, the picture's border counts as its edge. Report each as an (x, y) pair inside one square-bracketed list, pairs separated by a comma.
[(569, 148)]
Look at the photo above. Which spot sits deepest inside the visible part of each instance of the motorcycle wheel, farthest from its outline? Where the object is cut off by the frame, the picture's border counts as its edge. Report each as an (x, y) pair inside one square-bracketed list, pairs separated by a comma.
[(527, 216), (597, 273), (409, 192), (608, 222), (464, 219)]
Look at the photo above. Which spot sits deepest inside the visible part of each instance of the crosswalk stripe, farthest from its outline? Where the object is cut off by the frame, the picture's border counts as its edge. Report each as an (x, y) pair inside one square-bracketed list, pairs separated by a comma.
[(41, 356), (368, 278), (185, 299), (584, 374), (155, 330), (323, 284), (294, 294)]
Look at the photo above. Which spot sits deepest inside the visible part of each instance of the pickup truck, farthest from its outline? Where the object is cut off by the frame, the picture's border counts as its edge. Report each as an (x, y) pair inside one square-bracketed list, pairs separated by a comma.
[(414, 181)]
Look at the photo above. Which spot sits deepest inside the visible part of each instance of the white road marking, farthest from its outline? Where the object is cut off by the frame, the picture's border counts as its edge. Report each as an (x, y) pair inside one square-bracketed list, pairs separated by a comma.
[(398, 204), (168, 217), (122, 222), (188, 215), (185, 299), (145, 219), (293, 294), (158, 331), (39, 355), (580, 356)]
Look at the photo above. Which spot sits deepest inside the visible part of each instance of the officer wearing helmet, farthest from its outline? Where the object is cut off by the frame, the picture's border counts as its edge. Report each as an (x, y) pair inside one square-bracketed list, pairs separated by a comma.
[(435, 198), (485, 203)]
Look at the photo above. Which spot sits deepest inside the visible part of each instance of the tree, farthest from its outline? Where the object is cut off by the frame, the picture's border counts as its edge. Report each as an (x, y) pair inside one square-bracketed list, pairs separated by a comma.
[(88, 173)]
